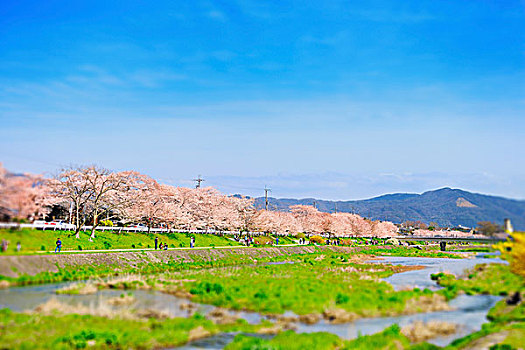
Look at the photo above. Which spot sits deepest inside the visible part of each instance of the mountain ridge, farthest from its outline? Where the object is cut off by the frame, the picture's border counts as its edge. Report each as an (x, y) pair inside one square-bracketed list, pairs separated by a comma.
[(445, 206)]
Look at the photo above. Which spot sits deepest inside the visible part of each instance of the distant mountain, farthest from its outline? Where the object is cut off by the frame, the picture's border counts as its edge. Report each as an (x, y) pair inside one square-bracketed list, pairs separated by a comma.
[(446, 206)]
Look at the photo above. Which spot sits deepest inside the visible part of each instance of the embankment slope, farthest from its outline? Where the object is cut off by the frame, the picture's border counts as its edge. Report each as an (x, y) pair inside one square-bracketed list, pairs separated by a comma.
[(17, 265)]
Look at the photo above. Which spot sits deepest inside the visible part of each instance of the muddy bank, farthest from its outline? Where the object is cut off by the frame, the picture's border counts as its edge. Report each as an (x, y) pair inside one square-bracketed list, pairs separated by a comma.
[(15, 266)]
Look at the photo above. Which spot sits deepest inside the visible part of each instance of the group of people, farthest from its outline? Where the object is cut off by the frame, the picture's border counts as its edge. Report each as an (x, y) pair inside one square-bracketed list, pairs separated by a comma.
[(5, 245), (336, 241), (164, 246), (246, 240), (249, 241), (161, 246)]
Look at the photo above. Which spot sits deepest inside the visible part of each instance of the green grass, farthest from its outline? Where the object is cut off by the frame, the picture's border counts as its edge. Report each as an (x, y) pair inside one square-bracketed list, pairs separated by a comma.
[(428, 252), (495, 279), (193, 261), (33, 240), (87, 271), (34, 331), (389, 339), (285, 240), (486, 249), (307, 286), (288, 340)]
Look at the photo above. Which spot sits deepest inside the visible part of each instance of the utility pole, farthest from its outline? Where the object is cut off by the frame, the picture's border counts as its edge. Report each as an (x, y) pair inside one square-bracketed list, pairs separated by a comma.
[(198, 181), (266, 190)]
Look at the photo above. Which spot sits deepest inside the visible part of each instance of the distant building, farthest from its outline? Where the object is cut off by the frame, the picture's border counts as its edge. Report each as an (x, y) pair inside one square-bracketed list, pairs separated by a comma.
[(508, 226)]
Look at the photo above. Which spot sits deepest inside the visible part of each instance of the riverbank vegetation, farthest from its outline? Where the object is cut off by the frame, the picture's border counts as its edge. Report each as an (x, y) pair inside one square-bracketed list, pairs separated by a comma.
[(73, 331), (322, 284), (506, 329), (83, 267), (328, 284), (495, 279), (392, 338), (335, 286)]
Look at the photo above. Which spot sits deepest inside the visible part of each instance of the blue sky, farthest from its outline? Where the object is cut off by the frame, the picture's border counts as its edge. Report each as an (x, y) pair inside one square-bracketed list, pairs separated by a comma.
[(335, 100)]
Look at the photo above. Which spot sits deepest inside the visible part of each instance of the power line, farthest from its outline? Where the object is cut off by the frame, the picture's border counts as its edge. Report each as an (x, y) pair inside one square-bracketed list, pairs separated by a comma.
[(198, 181)]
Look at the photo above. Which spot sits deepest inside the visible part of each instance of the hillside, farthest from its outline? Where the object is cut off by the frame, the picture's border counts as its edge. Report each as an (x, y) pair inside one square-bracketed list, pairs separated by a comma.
[(446, 206)]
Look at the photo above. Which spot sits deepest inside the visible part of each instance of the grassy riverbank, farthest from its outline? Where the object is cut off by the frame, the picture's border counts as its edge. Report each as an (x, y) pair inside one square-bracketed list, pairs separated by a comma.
[(504, 331), (37, 331), (507, 322), (312, 284), (37, 240), (33, 241), (56, 268), (495, 279), (390, 339)]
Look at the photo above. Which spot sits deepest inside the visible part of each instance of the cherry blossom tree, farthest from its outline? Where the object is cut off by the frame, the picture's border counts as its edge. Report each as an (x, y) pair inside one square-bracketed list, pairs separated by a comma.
[(287, 223), (92, 191), (22, 195), (384, 229), (174, 212), (107, 192), (245, 211), (70, 187), (265, 221), (309, 218), (146, 200)]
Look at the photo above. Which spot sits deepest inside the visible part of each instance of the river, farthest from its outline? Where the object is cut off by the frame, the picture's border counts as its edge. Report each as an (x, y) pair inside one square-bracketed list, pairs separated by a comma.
[(469, 311)]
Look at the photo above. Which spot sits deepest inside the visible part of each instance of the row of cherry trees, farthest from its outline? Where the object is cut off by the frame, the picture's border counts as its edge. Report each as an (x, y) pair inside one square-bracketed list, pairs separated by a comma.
[(305, 218), (91, 193)]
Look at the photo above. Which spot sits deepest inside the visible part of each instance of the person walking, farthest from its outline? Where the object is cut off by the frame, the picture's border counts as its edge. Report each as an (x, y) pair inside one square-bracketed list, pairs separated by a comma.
[(59, 245), (277, 241), (4, 245), (156, 242), (192, 241)]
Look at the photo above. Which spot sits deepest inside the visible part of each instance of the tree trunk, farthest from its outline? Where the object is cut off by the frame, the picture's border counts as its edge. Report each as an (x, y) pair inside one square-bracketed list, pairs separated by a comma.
[(95, 220), (77, 222)]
